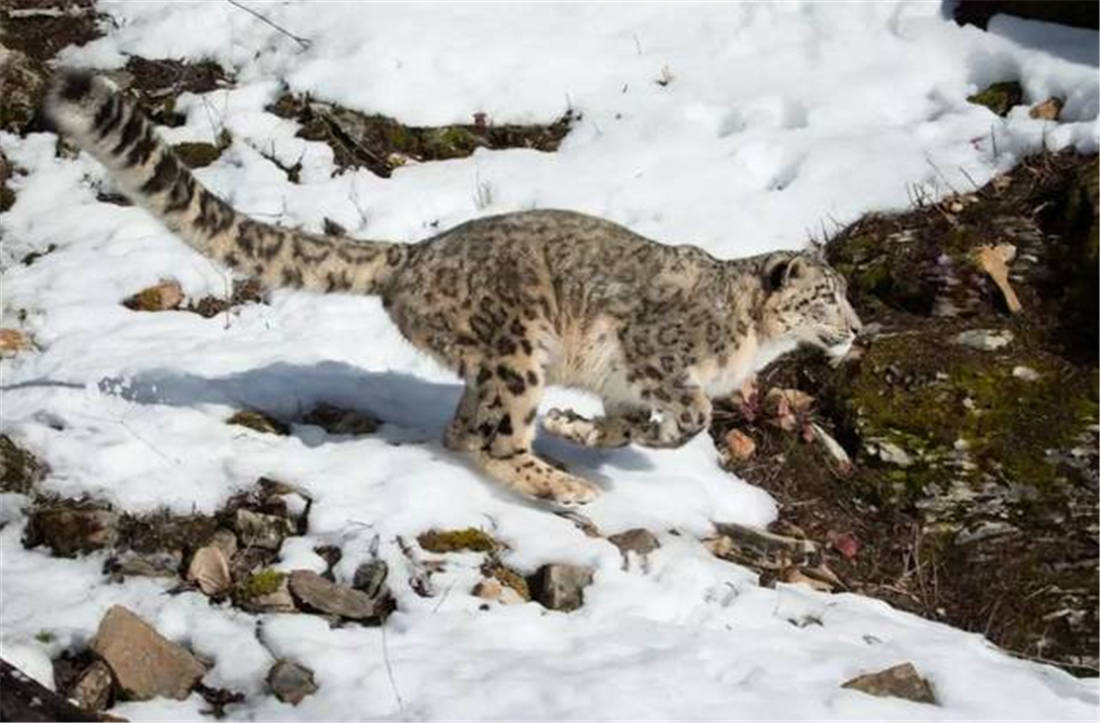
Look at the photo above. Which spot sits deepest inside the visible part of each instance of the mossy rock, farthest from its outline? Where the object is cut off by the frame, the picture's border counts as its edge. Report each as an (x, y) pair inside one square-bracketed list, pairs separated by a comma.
[(1000, 97), (259, 422), (264, 582), (20, 471), (469, 539), (197, 155)]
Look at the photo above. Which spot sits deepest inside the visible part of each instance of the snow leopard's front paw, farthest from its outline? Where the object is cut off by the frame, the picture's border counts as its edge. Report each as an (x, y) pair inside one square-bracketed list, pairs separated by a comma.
[(598, 432)]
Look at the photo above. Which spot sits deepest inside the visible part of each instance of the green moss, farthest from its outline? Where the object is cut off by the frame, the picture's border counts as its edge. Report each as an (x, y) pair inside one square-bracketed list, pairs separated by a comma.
[(456, 540), (999, 97), (259, 422), (44, 636), (264, 582), (197, 155), (1003, 425)]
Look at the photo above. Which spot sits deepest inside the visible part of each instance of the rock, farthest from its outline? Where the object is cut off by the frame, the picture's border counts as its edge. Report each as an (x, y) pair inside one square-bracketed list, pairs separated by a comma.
[(760, 549), (145, 663), (637, 540), (70, 527), (23, 698), (20, 471), (888, 452), (335, 420), (1026, 373), (197, 155), (13, 341), (561, 587), (165, 296), (1049, 109), (247, 560), (259, 422), (267, 591), (999, 97), (314, 591), (165, 563), (740, 445), (209, 569), (984, 339), (290, 682), (900, 681), (225, 541), (492, 589), (509, 578), (260, 530), (370, 578), (456, 540), (833, 448), (794, 576), (22, 88), (92, 690)]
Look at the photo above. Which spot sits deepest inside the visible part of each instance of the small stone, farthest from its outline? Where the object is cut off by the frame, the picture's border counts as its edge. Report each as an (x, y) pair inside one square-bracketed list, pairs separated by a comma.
[(314, 591), (13, 341), (290, 682), (985, 339), (370, 578), (900, 681), (637, 540), (833, 448), (92, 690), (260, 530), (740, 445), (209, 569), (492, 589), (70, 527), (335, 420), (561, 587), (145, 663), (165, 563), (225, 541), (165, 296), (259, 422), (1026, 373), (1049, 109), (889, 452), (794, 576)]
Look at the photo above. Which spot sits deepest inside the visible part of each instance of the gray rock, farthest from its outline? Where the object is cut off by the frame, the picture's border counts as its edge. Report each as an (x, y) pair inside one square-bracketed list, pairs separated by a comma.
[(290, 682), (70, 527), (888, 452), (561, 587), (92, 690), (370, 578), (985, 339), (637, 540), (900, 681), (149, 564), (316, 593), (145, 663), (260, 530)]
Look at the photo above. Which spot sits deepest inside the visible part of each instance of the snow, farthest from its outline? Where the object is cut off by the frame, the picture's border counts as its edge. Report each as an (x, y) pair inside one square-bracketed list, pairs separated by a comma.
[(780, 121)]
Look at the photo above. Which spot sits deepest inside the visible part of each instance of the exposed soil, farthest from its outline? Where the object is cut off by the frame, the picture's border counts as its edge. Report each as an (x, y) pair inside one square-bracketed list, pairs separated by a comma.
[(40, 28), (971, 496)]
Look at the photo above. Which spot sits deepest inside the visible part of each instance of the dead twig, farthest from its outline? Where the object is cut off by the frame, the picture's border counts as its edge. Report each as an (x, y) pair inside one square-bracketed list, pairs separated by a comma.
[(303, 42)]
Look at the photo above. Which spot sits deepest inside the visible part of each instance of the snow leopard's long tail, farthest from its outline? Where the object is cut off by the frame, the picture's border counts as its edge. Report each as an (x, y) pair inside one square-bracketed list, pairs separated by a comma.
[(107, 124)]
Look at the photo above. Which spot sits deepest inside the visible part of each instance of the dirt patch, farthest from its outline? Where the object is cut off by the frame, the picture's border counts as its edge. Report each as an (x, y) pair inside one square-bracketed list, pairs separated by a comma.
[(40, 28), (382, 144), (970, 493)]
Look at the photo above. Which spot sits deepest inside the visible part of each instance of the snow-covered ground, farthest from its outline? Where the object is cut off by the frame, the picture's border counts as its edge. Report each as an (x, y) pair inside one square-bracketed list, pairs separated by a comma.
[(779, 121)]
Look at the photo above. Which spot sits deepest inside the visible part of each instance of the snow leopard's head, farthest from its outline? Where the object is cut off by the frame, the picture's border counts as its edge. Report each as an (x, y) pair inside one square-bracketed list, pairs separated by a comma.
[(805, 303)]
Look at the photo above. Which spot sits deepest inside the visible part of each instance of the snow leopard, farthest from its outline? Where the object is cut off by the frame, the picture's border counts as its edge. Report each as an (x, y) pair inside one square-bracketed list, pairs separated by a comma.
[(512, 303)]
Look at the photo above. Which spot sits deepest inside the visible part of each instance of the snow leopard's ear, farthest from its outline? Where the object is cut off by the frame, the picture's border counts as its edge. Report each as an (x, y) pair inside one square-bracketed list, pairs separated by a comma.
[(781, 269)]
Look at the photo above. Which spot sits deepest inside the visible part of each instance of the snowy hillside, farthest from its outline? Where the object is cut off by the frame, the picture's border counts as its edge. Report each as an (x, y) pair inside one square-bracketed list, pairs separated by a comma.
[(771, 124)]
